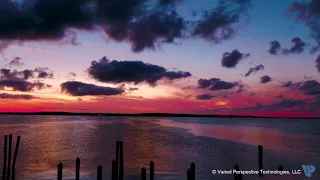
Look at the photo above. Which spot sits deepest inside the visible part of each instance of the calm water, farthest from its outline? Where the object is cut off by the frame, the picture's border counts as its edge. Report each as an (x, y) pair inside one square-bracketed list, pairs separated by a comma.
[(172, 143)]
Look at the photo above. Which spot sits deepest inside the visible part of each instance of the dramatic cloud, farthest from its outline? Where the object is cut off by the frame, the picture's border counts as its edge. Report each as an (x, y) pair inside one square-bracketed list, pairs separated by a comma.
[(135, 72), (205, 97), (317, 61), (22, 85), (17, 80), (298, 46), (230, 60), (215, 84), (16, 61), (309, 14), (75, 88), (275, 47), (25, 74), (287, 84), (141, 23), (253, 70), (265, 79), (219, 23), (16, 96), (309, 87)]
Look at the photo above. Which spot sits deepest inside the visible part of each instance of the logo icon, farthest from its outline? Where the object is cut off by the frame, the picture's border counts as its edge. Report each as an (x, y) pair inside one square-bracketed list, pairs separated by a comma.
[(308, 170)]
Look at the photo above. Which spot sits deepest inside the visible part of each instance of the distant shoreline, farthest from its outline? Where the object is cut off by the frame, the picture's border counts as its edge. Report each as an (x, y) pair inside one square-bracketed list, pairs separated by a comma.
[(143, 114)]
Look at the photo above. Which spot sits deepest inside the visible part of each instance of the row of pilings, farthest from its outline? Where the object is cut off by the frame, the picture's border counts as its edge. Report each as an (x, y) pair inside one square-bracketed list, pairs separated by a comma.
[(8, 172)]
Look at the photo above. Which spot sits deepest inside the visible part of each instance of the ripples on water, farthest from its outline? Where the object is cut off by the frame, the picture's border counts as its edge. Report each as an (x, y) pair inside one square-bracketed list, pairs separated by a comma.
[(172, 143)]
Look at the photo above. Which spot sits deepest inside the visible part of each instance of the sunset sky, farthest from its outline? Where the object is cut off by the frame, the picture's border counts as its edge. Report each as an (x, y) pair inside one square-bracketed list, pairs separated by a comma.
[(132, 56)]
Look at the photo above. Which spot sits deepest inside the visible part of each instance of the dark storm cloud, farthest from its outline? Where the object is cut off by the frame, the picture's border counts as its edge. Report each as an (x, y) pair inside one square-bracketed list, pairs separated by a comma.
[(275, 47), (25, 74), (141, 23), (135, 72), (16, 61), (265, 79), (14, 74), (231, 59), (298, 46), (309, 87), (16, 96), (287, 84), (44, 75), (317, 61), (76, 88), (308, 13), (253, 70), (218, 24), (215, 84), (205, 97), (22, 85)]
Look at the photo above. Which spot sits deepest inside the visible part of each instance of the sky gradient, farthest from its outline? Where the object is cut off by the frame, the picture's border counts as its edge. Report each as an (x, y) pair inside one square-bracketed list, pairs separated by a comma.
[(267, 63)]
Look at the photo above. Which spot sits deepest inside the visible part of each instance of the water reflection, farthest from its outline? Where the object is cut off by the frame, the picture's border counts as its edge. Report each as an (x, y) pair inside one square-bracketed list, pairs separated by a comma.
[(171, 143), (268, 137)]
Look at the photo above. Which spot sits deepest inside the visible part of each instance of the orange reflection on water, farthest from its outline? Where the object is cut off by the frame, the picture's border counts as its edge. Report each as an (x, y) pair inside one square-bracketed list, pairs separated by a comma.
[(49, 143), (142, 147), (268, 137)]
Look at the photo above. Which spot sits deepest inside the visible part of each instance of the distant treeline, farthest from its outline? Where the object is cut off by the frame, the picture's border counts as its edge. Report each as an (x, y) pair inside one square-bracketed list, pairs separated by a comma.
[(140, 114)]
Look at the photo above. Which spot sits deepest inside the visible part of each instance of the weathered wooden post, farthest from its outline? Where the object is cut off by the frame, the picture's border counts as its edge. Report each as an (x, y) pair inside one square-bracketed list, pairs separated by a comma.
[(114, 175), (78, 168), (151, 170), (143, 173), (117, 158), (193, 168), (99, 175), (189, 174), (121, 168), (260, 149), (60, 167), (4, 168), (15, 157), (9, 156), (237, 176)]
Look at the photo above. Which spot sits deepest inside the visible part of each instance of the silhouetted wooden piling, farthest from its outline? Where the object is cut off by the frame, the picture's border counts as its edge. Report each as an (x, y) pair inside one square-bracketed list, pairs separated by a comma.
[(15, 157), (99, 175), (260, 148), (280, 168), (121, 168), (189, 174), (143, 173), (9, 156), (117, 158), (151, 170), (237, 176), (60, 167), (114, 175), (4, 168), (78, 168), (193, 168)]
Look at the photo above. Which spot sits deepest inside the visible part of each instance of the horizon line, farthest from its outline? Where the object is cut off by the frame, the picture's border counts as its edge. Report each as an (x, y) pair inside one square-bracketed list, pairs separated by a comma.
[(64, 113)]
